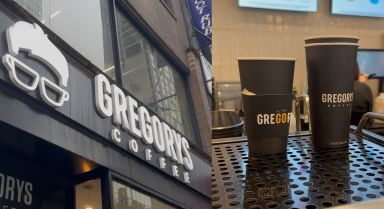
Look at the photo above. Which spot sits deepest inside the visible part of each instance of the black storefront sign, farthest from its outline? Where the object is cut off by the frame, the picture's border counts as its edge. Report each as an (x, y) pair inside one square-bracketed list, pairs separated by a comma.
[(24, 187), (62, 110), (16, 192)]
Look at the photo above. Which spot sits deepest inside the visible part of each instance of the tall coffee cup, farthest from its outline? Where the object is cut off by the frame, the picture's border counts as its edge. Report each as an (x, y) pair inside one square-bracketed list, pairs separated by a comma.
[(331, 66), (267, 101)]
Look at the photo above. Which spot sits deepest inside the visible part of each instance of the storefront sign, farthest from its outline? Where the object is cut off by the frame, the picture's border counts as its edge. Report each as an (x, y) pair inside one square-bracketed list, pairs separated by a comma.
[(110, 101), (136, 120), (39, 47), (202, 20), (15, 193)]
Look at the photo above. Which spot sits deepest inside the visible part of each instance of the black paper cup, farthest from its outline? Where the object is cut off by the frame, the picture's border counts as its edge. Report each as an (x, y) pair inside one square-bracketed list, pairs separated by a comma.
[(331, 74), (267, 102), (267, 75)]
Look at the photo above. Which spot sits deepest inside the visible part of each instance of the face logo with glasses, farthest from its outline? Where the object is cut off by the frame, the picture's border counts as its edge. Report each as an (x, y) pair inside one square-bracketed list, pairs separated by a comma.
[(23, 36)]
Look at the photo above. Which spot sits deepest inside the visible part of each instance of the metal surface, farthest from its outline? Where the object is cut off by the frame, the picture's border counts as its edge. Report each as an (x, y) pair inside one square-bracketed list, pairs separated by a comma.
[(226, 124), (304, 177), (372, 204), (364, 120), (222, 120)]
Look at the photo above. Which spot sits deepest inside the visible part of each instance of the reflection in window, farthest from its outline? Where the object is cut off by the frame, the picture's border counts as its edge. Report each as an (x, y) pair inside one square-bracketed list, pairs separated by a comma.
[(150, 77), (229, 96), (32, 6), (125, 197), (85, 25)]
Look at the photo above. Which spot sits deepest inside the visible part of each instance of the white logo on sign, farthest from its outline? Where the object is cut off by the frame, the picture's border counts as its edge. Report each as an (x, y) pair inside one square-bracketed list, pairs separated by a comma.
[(31, 38)]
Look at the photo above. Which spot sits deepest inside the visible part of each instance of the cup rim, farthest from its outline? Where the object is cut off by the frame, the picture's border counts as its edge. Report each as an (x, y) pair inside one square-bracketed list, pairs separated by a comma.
[(331, 44), (267, 58), (331, 36)]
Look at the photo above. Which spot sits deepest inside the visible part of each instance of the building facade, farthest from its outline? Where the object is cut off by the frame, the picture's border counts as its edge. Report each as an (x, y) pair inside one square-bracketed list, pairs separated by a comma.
[(102, 105)]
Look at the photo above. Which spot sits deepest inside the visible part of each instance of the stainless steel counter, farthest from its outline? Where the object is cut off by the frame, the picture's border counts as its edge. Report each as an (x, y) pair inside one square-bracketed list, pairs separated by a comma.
[(303, 177)]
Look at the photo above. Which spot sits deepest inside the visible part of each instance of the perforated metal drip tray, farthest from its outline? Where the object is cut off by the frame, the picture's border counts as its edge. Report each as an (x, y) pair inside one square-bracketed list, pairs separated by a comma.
[(304, 177)]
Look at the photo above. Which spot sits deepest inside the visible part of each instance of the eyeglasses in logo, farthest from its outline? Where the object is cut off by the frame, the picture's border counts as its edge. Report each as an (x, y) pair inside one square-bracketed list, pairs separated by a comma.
[(31, 38)]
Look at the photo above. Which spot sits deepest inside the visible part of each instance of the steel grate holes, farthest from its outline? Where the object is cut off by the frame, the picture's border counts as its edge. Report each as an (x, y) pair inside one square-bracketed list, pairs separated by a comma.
[(304, 177)]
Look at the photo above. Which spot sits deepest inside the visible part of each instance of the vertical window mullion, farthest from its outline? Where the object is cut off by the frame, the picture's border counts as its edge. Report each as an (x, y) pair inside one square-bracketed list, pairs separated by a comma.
[(115, 41)]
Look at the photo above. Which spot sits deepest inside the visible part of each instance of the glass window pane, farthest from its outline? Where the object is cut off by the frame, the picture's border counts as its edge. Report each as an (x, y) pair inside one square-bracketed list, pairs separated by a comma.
[(88, 195), (229, 96), (85, 25), (125, 197), (151, 78)]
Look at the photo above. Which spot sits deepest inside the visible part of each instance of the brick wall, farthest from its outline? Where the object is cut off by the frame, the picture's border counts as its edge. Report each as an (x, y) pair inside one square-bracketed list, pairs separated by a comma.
[(200, 102)]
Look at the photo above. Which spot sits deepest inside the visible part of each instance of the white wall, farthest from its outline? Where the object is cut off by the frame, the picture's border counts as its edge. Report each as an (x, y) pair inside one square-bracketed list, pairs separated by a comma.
[(243, 32)]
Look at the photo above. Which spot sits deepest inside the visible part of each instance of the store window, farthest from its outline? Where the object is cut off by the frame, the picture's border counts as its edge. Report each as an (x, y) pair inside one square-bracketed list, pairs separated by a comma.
[(124, 197), (151, 78), (88, 195), (85, 25)]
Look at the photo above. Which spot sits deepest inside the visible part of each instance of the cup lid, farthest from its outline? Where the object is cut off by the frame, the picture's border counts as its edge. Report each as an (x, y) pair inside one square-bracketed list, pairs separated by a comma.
[(331, 44), (267, 58), (331, 36)]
